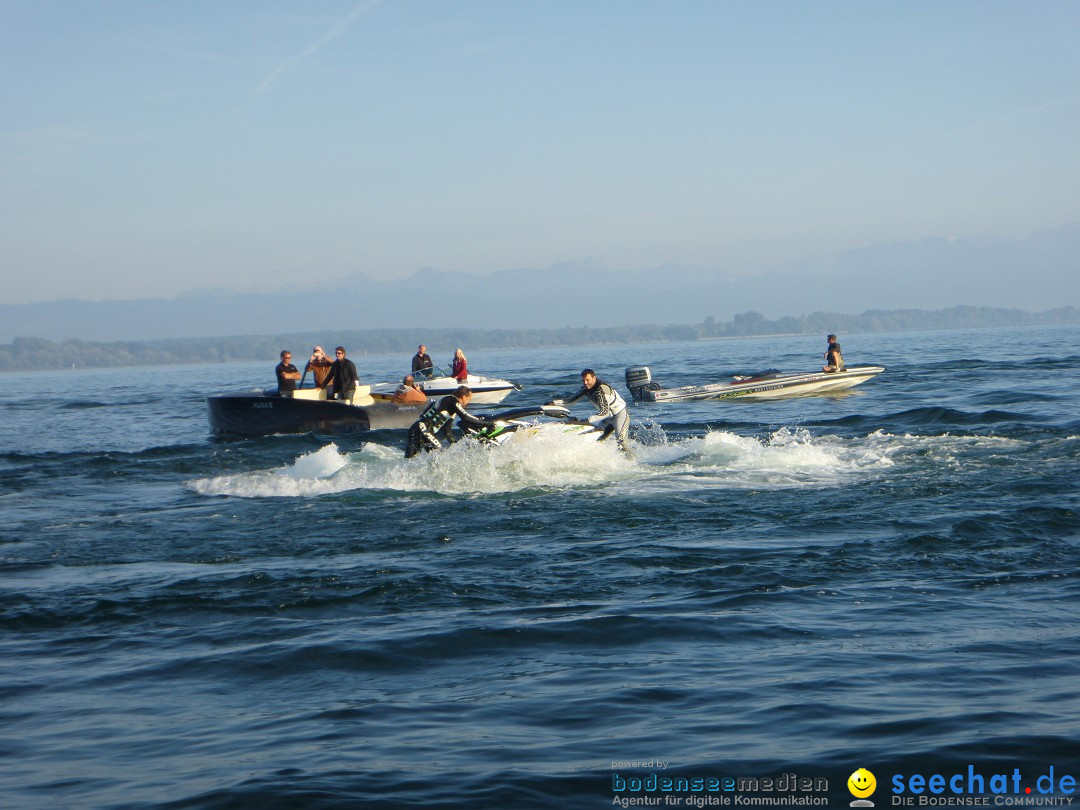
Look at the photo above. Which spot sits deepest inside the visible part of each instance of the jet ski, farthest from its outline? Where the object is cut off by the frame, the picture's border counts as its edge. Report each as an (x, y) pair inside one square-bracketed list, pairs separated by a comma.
[(519, 422), (771, 384), (435, 382)]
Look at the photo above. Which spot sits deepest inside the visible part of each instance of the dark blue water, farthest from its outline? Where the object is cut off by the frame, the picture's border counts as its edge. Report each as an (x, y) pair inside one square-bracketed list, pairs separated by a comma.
[(885, 579)]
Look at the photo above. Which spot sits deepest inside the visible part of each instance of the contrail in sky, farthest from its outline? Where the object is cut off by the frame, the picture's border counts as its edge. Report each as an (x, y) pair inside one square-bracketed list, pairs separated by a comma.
[(337, 30)]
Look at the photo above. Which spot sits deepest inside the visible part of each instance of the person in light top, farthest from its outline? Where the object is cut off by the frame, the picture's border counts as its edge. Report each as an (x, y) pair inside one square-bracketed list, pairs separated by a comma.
[(611, 409)]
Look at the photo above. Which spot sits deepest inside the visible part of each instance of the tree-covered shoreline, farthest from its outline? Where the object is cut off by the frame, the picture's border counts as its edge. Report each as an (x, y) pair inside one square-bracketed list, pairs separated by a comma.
[(24, 353)]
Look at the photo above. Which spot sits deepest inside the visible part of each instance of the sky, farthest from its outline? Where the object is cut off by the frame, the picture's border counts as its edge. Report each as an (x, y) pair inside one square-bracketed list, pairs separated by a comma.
[(148, 149)]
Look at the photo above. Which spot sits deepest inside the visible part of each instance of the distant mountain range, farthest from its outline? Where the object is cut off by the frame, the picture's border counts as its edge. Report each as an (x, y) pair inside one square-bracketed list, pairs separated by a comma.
[(1039, 272)]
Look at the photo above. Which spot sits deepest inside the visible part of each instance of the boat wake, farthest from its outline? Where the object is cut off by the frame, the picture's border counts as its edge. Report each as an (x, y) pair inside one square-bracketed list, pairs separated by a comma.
[(552, 461)]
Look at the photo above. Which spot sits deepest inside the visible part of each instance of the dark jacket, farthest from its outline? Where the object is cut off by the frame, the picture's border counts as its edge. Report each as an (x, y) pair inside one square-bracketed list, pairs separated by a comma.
[(342, 375), (420, 361)]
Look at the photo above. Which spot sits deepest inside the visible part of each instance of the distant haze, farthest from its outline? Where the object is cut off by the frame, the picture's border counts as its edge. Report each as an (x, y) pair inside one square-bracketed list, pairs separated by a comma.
[(1037, 273)]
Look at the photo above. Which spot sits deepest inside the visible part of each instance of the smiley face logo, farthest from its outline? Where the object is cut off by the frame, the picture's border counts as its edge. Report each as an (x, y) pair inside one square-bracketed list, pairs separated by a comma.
[(861, 783)]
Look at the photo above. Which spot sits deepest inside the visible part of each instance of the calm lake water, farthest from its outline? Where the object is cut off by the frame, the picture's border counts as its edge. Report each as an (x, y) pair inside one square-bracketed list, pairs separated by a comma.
[(886, 579)]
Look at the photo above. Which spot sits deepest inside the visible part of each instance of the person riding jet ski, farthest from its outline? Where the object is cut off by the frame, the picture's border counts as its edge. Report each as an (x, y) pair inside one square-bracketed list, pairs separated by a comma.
[(435, 422), (611, 410)]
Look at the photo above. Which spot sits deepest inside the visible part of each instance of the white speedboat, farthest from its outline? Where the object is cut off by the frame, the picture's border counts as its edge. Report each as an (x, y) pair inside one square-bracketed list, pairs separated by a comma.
[(765, 385), (435, 382)]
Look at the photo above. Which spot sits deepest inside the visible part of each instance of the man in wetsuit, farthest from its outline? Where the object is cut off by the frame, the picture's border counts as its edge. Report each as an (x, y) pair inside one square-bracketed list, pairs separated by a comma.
[(435, 422), (287, 375), (610, 408)]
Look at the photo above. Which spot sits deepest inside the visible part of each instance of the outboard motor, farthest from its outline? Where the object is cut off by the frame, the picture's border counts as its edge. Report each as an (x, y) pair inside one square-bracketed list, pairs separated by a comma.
[(639, 381)]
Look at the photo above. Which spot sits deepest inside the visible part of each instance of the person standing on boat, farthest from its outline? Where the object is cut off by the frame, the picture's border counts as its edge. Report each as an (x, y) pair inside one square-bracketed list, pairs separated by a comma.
[(834, 361), (611, 409), (287, 375), (319, 366), (460, 370), (435, 422), (343, 375), (421, 360)]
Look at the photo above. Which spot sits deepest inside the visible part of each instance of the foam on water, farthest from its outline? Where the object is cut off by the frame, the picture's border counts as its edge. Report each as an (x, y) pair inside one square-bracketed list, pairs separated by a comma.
[(310, 473), (943, 449), (786, 458), (544, 460), (548, 458)]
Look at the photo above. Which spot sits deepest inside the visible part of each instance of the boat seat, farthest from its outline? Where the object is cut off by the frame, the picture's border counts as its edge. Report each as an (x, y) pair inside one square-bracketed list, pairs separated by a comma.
[(362, 396)]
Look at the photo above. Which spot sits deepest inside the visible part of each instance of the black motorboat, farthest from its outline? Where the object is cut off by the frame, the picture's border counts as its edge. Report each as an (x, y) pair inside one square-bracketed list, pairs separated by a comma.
[(262, 413)]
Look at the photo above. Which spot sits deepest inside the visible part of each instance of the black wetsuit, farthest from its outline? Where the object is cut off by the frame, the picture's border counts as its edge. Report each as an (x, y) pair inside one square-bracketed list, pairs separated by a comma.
[(435, 423)]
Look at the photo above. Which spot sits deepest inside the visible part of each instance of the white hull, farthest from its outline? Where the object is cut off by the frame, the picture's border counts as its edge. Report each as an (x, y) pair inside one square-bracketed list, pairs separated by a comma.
[(516, 426), (528, 431), (765, 386), (485, 390)]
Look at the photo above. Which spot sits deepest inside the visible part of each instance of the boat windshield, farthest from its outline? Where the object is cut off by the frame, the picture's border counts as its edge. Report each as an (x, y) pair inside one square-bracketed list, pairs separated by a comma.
[(429, 373)]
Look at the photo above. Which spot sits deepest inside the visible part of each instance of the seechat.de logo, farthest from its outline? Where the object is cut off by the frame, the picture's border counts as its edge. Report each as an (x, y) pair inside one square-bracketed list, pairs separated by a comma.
[(862, 784)]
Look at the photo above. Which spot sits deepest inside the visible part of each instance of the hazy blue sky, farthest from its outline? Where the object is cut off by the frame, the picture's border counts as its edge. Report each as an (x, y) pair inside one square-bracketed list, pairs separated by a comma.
[(147, 148)]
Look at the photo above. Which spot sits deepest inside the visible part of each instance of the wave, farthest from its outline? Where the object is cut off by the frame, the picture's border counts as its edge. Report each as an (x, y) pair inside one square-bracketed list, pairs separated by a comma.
[(931, 416), (1008, 396), (152, 452), (1008, 367), (552, 461), (940, 417)]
